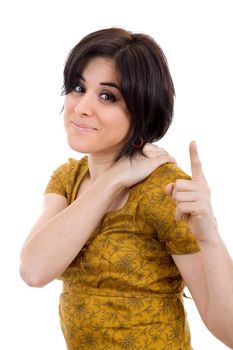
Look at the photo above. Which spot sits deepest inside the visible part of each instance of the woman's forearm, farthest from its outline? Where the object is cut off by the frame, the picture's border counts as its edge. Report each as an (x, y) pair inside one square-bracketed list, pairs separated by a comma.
[(51, 248), (208, 274), (218, 267), (54, 246)]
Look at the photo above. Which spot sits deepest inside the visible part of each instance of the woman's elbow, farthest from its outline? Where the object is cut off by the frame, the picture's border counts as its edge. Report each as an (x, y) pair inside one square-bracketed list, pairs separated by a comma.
[(223, 332), (31, 277)]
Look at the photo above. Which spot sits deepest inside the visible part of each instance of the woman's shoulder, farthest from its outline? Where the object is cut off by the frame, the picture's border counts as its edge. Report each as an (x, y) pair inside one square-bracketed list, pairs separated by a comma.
[(65, 176), (154, 186), (159, 210), (165, 174), (71, 167)]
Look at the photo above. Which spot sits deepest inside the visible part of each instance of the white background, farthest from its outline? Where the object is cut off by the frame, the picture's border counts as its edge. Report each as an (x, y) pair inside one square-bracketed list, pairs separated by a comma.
[(36, 37)]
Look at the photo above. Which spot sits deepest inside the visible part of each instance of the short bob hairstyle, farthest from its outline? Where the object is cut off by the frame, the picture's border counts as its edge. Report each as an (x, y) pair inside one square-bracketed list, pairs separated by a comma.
[(144, 79)]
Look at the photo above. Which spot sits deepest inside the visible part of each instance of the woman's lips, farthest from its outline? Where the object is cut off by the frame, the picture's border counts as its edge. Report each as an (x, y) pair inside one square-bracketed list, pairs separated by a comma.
[(83, 127)]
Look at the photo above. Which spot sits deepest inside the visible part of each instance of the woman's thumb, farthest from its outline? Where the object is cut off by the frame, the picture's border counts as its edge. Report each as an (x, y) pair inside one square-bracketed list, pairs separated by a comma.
[(169, 189)]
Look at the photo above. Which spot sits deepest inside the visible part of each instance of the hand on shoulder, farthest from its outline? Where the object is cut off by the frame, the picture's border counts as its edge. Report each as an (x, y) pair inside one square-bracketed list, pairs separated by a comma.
[(129, 172)]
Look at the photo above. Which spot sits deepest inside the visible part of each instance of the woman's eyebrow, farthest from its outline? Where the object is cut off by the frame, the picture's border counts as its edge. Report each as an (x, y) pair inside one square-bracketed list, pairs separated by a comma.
[(109, 83), (79, 76)]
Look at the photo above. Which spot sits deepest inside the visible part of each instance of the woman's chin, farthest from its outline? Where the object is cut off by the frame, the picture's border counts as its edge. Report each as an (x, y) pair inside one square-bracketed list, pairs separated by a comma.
[(78, 147)]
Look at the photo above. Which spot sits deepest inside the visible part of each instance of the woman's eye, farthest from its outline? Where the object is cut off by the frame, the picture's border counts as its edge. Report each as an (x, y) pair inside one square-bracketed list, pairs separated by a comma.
[(78, 88), (106, 96)]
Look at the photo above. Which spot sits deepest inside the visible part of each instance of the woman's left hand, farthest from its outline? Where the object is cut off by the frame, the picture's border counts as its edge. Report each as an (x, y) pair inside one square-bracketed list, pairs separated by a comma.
[(192, 199)]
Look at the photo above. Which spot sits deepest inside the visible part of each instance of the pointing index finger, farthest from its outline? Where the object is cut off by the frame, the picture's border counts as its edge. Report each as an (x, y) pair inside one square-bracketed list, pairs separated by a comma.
[(196, 167)]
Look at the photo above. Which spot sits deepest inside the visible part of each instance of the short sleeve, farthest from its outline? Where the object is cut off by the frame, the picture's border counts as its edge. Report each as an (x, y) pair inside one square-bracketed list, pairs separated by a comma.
[(57, 182), (176, 236)]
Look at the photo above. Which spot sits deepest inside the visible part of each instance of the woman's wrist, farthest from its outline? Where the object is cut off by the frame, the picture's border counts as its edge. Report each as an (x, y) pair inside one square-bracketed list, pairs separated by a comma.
[(111, 182), (210, 234)]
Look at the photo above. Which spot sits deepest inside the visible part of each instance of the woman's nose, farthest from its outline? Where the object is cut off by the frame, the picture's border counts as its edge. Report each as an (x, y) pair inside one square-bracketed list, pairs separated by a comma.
[(85, 105)]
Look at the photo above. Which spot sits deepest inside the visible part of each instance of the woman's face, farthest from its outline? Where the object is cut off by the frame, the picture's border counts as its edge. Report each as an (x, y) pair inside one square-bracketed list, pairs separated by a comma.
[(95, 114)]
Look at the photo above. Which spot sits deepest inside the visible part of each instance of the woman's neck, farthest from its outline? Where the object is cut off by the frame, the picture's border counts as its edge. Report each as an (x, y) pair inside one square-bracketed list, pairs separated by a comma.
[(99, 164)]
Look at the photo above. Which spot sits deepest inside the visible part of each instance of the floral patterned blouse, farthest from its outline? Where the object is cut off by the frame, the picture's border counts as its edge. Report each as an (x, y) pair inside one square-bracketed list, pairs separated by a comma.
[(123, 290)]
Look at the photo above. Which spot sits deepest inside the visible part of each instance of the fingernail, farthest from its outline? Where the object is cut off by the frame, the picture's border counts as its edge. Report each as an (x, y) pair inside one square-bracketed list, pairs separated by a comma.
[(194, 145)]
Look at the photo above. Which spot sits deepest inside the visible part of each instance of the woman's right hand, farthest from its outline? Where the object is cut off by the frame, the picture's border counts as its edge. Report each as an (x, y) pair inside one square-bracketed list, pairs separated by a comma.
[(128, 172)]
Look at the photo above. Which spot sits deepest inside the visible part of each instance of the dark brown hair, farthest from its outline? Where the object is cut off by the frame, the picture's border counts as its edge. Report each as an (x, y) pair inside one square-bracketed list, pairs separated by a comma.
[(145, 82)]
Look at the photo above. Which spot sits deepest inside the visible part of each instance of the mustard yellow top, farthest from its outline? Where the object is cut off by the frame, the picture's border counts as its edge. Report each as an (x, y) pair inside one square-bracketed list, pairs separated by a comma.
[(123, 290)]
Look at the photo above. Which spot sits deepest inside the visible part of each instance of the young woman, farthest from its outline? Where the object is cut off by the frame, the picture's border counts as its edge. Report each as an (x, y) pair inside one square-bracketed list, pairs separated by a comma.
[(124, 228)]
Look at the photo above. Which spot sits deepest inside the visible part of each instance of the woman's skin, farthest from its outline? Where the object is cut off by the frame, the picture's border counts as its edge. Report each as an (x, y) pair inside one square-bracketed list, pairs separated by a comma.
[(208, 274), (96, 117), (96, 121)]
